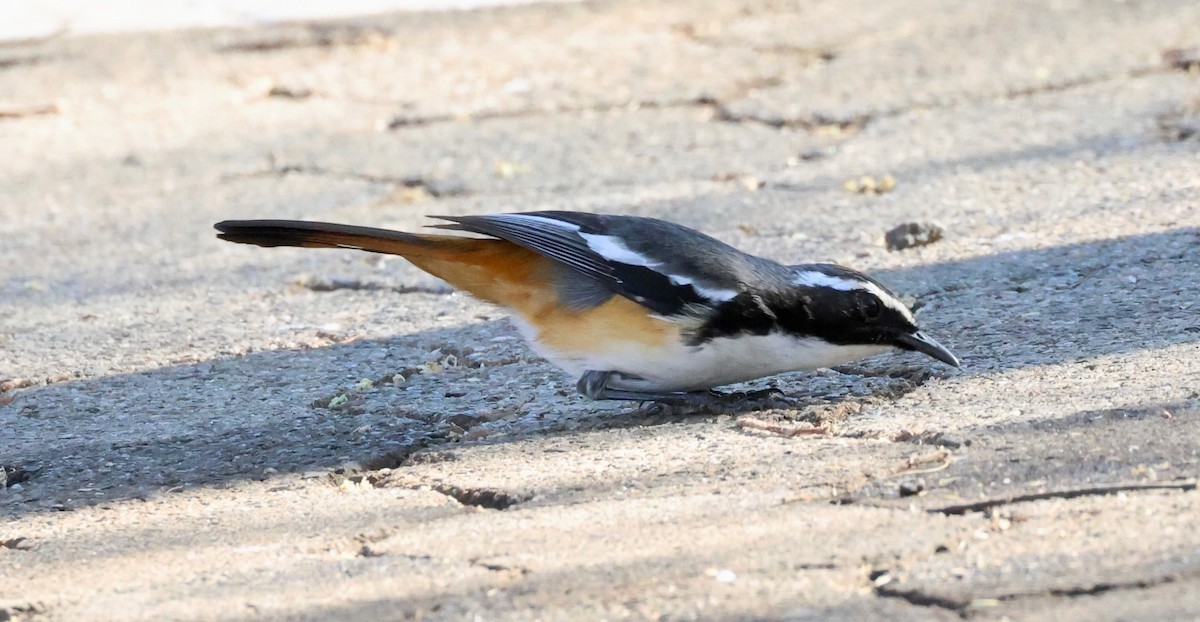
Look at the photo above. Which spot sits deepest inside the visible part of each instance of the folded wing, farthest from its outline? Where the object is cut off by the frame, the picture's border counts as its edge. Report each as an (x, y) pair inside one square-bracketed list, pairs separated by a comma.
[(667, 268)]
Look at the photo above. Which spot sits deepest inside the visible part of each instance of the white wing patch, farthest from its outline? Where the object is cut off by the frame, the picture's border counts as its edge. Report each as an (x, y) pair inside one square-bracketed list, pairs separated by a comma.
[(613, 249), (816, 278), (716, 295)]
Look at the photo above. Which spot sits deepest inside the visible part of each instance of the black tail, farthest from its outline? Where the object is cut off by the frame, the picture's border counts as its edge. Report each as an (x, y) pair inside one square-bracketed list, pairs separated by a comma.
[(308, 234)]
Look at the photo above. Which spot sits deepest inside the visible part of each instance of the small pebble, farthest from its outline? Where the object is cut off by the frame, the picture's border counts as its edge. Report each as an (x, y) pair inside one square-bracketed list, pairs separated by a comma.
[(289, 92), (911, 488), (870, 185), (446, 187), (912, 234), (949, 441)]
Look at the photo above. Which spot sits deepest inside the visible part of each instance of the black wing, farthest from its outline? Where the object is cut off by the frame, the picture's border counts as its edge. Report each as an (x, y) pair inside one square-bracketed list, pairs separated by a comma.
[(665, 267)]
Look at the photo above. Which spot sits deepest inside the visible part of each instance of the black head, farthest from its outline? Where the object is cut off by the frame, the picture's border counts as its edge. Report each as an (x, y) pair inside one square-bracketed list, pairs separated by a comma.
[(846, 307)]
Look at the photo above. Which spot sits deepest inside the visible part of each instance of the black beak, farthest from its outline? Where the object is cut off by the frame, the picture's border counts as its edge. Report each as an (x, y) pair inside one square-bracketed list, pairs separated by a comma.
[(925, 344)]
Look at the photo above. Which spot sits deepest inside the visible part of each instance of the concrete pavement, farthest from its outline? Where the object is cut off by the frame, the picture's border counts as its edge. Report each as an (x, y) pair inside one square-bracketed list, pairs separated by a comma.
[(208, 431)]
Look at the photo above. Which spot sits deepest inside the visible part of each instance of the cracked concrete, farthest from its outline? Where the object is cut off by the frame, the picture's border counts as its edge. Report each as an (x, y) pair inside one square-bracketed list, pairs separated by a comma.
[(195, 430)]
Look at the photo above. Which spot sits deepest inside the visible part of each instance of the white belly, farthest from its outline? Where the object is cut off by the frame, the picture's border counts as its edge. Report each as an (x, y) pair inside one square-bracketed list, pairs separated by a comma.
[(680, 367)]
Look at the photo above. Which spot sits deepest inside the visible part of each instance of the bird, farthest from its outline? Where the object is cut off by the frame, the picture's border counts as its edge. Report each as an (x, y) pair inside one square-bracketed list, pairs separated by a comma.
[(639, 308)]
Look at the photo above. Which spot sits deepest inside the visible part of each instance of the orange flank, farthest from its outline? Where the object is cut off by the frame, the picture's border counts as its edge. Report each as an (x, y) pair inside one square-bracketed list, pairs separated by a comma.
[(519, 279), (619, 327), (492, 270)]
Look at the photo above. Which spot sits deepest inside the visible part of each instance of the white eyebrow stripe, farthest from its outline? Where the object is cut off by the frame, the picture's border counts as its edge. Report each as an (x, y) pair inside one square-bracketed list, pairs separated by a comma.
[(815, 278)]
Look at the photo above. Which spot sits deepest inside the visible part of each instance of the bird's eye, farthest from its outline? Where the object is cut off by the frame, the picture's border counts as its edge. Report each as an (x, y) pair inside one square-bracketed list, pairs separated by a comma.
[(871, 309)]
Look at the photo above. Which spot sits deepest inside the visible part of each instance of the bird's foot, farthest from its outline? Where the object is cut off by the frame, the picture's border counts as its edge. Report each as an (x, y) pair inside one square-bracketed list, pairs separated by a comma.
[(594, 385)]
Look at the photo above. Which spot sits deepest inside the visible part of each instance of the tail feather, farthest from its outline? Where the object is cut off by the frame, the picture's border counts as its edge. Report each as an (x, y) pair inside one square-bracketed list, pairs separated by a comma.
[(491, 269), (308, 234)]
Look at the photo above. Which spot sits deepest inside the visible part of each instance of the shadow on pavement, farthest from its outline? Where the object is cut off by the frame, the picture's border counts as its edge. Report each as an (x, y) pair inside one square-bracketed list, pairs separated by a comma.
[(117, 437)]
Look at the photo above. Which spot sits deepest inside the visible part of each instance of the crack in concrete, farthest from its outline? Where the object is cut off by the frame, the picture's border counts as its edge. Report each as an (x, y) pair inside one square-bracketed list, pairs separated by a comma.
[(363, 545), (19, 543), (403, 122), (22, 611), (922, 599), (497, 567), (857, 123), (488, 498), (721, 112), (314, 35), (322, 285), (1099, 588), (812, 123), (1074, 493), (807, 55), (22, 61), (818, 121), (965, 607), (17, 111), (1079, 82)]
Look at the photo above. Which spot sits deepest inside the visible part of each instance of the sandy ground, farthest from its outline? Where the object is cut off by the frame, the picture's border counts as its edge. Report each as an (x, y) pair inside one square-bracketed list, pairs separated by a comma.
[(197, 430)]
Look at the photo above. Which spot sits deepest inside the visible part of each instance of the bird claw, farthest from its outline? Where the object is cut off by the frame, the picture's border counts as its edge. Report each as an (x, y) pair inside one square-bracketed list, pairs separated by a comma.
[(759, 399)]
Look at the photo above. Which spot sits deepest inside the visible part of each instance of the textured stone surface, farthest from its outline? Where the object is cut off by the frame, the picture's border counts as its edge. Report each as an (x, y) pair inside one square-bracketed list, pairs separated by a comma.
[(223, 432)]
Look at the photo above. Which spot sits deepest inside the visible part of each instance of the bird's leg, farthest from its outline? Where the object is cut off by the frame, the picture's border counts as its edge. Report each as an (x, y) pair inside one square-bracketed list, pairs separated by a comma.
[(594, 385)]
